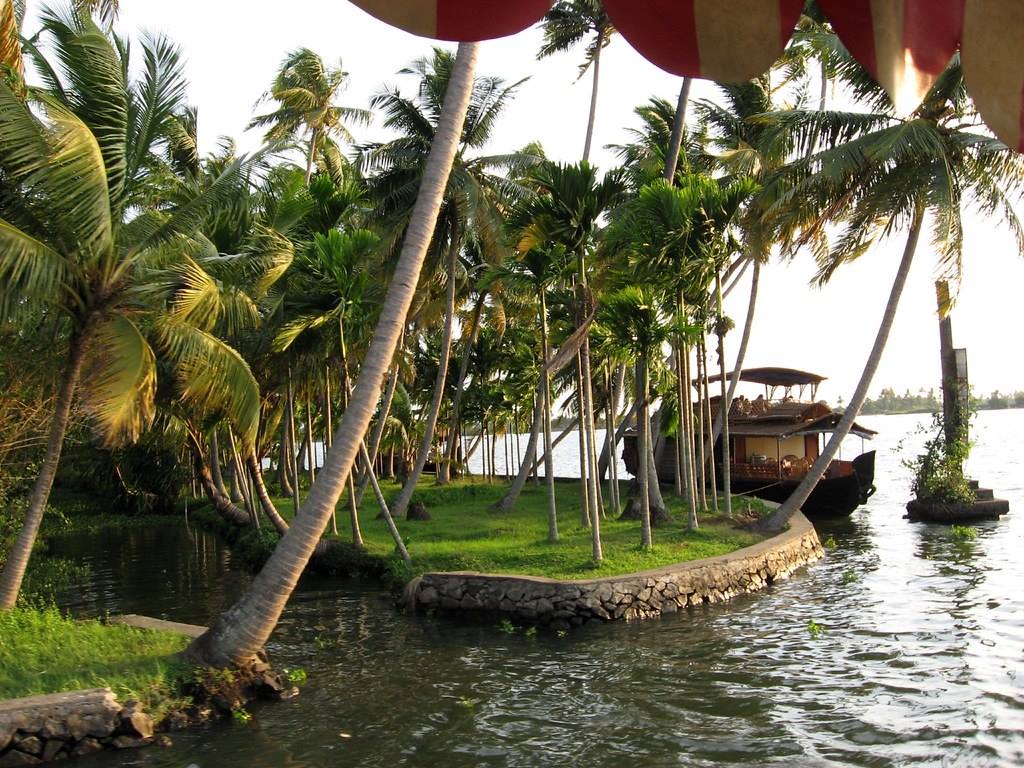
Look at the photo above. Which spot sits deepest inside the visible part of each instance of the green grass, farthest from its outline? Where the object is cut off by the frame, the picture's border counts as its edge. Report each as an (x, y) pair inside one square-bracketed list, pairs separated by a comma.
[(463, 535), (43, 652)]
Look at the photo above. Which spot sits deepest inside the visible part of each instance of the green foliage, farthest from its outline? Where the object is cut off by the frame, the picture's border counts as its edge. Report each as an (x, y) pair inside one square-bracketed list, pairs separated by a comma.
[(241, 716), (42, 652), (295, 676), (938, 473), (505, 626), (964, 532), (814, 629), (830, 542), (849, 577)]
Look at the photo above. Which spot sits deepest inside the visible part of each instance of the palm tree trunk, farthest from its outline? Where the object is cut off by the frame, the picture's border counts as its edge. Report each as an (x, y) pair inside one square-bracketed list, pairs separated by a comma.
[(310, 441), (402, 504), (264, 496), (284, 462), (678, 127), (778, 519), (311, 155), (536, 426), (384, 511), (726, 404), (238, 634), (378, 430), (445, 468), (585, 516), (21, 551), (545, 402), (293, 462), (692, 522), (222, 504), (218, 477), (741, 356), (644, 435), (592, 120)]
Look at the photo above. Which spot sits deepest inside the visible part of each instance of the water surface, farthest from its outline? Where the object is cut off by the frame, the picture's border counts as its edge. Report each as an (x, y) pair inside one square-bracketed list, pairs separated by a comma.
[(919, 661)]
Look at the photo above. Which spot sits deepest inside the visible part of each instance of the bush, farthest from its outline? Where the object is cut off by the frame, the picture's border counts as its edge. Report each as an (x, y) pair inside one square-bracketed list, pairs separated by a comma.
[(939, 472)]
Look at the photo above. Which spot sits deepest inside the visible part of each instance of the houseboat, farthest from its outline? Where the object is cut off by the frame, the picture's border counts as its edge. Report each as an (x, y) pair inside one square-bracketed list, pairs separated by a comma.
[(774, 441)]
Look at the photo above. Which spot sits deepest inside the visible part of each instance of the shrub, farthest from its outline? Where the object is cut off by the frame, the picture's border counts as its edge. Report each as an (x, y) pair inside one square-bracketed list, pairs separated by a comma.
[(939, 472)]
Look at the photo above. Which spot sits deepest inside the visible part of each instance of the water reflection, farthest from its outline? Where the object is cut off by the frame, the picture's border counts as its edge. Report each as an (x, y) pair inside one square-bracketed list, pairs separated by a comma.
[(918, 661)]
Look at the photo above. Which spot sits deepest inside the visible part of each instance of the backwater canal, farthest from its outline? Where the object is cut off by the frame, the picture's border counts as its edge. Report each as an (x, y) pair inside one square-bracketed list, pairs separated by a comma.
[(920, 658)]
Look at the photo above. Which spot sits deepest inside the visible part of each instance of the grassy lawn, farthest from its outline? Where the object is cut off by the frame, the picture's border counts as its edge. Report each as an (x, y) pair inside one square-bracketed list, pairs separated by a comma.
[(42, 652), (463, 535)]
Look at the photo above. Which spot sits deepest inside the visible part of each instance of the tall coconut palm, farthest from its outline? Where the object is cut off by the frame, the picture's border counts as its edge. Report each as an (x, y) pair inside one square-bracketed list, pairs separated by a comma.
[(567, 212), (569, 23), (239, 633), (635, 327), (473, 202), (876, 174), (305, 90), (71, 160)]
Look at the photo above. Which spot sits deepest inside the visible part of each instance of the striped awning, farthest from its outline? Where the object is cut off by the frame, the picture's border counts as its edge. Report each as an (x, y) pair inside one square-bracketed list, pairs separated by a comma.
[(905, 44)]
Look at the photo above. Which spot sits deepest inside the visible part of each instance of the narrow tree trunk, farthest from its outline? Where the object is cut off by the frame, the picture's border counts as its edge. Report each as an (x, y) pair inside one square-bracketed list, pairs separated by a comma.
[(644, 434), (310, 441), (402, 504), (512, 496), (741, 356), (21, 551), (678, 128), (284, 462), (292, 460), (545, 403), (238, 634), (726, 404), (378, 430), (445, 468), (384, 511), (778, 519), (585, 516), (218, 477), (222, 504), (264, 496), (592, 119)]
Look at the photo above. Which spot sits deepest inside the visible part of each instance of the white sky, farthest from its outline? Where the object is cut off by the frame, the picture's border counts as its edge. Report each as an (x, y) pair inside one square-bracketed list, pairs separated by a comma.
[(233, 49)]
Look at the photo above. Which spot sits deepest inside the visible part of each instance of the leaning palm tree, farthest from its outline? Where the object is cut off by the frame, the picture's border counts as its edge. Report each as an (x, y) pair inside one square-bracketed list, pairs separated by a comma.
[(634, 329), (305, 90), (569, 23), (473, 205), (239, 633), (876, 174), (71, 160)]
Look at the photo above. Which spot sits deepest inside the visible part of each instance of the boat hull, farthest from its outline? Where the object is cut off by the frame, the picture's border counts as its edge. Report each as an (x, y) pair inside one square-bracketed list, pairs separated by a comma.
[(832, 497)]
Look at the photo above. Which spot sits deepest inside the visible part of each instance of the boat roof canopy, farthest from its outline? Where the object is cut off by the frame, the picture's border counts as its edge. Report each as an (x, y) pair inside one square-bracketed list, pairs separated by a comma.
[(766, 428), (778, 377)]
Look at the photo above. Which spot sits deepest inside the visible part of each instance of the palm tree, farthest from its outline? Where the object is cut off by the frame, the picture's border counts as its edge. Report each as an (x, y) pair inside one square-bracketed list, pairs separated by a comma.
[(71, 161), (238, 634), (567, 24), (567, 213), (537, 271), (473, 201), (877, 174), (305, 90), (635, 327)]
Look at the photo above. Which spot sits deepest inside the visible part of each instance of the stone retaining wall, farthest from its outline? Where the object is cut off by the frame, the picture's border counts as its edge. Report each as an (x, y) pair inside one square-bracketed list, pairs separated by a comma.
[(43, 728), (39, 729), (631, 597)]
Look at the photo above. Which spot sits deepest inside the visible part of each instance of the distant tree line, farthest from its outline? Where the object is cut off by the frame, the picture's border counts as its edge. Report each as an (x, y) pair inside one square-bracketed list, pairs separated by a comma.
[(930, 401)]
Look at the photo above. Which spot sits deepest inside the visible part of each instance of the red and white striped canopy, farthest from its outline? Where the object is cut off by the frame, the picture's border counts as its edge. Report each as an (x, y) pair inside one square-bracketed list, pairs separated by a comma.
[(905, 44)]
